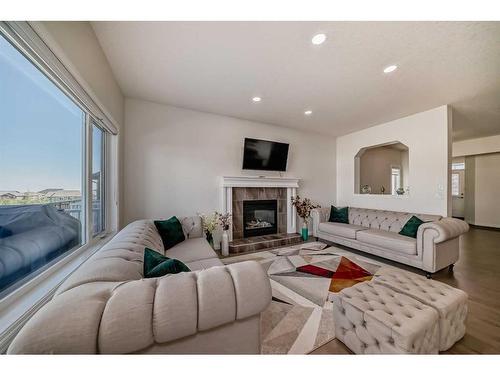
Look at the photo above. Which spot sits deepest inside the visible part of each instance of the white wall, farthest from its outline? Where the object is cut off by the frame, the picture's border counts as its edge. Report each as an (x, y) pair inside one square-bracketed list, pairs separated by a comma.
[(477, 146), (173, 158), (427, 136), (482, 179), (76, 45)]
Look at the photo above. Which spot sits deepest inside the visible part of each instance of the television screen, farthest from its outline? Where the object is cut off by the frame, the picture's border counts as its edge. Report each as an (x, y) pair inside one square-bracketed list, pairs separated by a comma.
[(265, 155)]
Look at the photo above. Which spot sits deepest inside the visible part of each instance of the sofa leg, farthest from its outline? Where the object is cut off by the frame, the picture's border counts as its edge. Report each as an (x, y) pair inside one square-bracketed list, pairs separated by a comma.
[(428, 275), (450, 267)]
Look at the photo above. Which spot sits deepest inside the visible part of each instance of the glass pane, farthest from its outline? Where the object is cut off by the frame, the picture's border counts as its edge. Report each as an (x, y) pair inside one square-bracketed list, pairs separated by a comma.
[(97, 180), (455, 184), (41, 130)]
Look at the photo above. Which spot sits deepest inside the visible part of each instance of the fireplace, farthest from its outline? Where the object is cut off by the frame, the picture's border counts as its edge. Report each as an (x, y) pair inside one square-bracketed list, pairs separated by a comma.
[(260, 217)]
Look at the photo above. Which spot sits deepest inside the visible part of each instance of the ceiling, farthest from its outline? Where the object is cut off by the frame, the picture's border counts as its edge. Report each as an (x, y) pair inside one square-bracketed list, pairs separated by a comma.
[(219, 66)]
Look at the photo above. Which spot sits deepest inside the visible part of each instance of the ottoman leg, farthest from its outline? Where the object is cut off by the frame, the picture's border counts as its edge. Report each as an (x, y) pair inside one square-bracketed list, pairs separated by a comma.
[(428, 275)]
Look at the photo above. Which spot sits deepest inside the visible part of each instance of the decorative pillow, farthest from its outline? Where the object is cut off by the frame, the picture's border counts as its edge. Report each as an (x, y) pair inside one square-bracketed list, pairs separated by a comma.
[(410, 229), (170, 232), (339, 215), (4, 232), (156, 265)]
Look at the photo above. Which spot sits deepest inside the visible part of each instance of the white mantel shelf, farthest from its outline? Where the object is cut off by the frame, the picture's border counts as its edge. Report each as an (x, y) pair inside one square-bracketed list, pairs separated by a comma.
[(290, 184), (258, 181)]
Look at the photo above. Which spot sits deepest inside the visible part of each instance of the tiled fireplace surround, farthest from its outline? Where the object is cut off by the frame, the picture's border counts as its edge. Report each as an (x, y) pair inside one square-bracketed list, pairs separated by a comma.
[(235, 189), (241, 194)]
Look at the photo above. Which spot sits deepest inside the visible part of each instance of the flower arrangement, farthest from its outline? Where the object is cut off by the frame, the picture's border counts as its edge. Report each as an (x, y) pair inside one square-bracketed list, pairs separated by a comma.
[(304, 207), (209, 222), (225, 220)]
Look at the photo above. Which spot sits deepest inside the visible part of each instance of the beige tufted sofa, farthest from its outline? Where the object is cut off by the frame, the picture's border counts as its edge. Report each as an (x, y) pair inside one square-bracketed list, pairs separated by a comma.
[(376, 232), (106, 306)]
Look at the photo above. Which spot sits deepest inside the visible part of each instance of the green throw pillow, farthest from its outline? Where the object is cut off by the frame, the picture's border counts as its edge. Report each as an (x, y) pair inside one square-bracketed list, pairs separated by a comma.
[(410, 229), (339, 215), (170, 232), (156, 265)]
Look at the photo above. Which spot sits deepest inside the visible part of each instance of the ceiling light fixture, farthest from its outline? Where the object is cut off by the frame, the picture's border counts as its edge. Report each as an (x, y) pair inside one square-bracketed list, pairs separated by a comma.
[(390, 68), (308, 112), (256, 99), (318, 39)]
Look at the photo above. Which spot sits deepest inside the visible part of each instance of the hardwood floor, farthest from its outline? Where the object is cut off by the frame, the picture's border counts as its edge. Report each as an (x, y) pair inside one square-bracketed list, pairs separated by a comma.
[(477, 273)]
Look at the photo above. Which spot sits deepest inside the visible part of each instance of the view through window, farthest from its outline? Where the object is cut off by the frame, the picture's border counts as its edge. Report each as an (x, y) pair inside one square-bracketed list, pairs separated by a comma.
[(42, 169), (97, 179)]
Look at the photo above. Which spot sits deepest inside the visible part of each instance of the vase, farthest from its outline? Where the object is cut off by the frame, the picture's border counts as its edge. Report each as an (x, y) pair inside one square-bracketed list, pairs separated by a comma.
[(210, 238), (305, 232), (225, 243)]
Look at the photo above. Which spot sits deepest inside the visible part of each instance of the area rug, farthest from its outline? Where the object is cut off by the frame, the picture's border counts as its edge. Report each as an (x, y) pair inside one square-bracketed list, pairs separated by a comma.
[(303, 279)]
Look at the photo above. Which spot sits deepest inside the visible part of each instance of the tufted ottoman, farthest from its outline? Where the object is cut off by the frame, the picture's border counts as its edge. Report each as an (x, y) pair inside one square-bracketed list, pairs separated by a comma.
[(371, 318), (449, 302)]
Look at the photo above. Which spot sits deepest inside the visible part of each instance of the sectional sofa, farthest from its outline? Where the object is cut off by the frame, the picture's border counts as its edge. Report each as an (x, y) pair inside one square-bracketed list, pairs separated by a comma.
[(376, 232), (106, 306)]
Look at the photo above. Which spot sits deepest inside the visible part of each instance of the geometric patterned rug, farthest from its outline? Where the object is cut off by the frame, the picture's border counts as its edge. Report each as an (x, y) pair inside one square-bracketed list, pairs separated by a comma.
[(303, 279)]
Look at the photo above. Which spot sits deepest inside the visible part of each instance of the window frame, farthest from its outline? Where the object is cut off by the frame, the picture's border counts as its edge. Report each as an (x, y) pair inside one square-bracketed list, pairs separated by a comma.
[(103, 179), (23, 298)]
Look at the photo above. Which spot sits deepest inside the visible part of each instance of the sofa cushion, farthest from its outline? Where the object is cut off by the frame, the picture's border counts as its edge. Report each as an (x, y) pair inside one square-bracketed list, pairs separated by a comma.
[(388, 240), (204, 264), (171, 232), (156, 265), (339, 215), (410, 229), (339, 229), (191, 250)]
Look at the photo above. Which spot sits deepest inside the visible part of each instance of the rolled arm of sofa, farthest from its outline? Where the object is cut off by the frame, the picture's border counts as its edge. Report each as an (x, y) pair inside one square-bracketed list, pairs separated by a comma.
[(444, 229), (131, 316), (319, 215)]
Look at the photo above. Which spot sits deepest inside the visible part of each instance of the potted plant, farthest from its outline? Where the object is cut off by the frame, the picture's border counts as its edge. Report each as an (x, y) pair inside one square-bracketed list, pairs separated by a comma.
[(304, 208), (210, 223), (225, 222)]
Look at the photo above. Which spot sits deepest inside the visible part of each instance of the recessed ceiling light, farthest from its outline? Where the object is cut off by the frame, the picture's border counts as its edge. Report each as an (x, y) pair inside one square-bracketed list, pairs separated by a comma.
[(256, 99), (308, 112), (318, 39), (390, 68)]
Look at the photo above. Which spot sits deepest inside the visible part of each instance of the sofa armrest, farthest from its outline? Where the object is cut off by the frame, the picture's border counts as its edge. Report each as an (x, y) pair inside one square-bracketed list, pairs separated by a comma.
[(131, 316), (319, 215), (443, 230)]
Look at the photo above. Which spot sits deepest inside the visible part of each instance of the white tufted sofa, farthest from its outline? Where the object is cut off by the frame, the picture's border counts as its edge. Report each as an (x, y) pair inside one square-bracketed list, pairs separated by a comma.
[(106, 306), (376, 232)]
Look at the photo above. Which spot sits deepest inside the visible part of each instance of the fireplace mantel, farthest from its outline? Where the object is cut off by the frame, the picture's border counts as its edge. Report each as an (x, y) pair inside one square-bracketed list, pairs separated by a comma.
[(248, 181), (290, 184)]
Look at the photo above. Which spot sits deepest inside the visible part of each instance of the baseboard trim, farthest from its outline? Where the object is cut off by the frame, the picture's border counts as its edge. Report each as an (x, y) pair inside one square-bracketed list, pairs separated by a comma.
[(495, 229)]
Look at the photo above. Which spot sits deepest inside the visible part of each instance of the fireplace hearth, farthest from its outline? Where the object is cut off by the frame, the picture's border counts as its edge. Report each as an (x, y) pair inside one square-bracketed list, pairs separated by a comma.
[(260, 217)]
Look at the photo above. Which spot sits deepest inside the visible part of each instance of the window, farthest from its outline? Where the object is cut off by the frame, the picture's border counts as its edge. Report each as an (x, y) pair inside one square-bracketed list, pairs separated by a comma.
[(458, 166), (455, 184), (395, 179), (97, 179), (43, 171)]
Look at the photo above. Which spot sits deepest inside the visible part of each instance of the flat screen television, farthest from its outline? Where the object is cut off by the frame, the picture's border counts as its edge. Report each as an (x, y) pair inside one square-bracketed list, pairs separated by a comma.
[(264, 155)]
